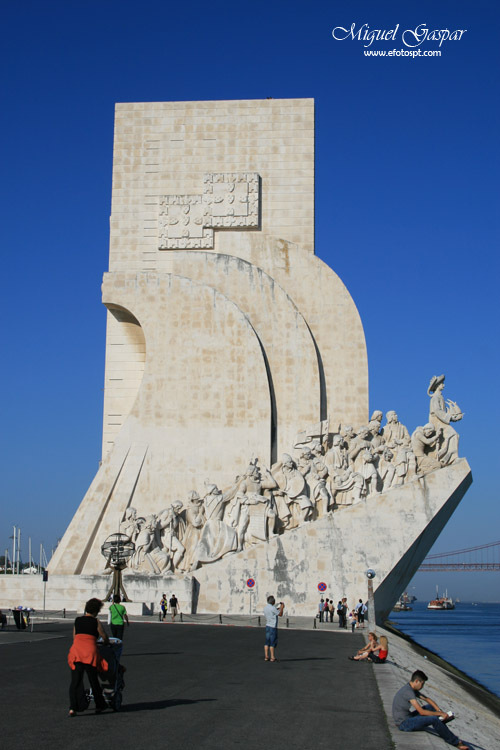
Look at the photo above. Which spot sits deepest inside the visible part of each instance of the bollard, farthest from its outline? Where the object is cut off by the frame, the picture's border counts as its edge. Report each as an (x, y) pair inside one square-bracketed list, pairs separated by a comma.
[(314, 624), (181, 618), (64, 613), (287, 622), (220, 619), (259, 620)]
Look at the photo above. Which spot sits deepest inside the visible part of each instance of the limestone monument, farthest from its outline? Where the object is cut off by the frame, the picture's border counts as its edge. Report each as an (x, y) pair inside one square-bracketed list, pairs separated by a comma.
[(237, 441)]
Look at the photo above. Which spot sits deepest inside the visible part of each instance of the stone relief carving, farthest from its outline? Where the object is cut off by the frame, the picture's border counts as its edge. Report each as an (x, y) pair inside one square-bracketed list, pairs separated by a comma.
[(229, 201), (329, 471)]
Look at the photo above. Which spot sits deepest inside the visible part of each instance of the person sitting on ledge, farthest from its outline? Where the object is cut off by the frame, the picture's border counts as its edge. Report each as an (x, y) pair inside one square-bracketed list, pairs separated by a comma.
[(411, 716), (366, 650)]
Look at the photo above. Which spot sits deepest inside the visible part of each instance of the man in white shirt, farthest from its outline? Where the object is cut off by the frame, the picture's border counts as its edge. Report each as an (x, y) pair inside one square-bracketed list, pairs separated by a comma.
[(271, 613)]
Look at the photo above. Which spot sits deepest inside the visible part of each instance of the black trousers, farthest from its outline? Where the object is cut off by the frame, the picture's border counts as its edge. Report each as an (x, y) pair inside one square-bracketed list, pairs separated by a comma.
[(117, 631), (76, 702)]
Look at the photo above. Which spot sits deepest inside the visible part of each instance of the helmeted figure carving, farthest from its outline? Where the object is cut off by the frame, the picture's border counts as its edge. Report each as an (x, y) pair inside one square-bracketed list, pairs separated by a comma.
[(441, 413)]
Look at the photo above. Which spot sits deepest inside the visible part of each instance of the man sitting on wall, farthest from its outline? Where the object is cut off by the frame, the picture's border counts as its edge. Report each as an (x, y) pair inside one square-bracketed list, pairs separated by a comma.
[(411, 716)]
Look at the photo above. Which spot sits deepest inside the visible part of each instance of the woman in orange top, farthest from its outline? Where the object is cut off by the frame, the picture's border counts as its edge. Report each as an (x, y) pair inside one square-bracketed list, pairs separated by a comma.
[(84, 657)]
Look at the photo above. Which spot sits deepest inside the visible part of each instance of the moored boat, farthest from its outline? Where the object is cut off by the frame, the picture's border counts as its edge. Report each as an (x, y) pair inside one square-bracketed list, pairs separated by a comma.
[(441, 602)]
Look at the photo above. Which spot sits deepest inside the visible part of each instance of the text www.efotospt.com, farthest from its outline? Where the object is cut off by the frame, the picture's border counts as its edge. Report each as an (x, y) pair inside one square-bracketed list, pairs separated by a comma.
[(402, 53)]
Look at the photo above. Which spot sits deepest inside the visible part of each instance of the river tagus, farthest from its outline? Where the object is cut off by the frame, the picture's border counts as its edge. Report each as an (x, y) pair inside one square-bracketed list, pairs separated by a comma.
[(468, 637)]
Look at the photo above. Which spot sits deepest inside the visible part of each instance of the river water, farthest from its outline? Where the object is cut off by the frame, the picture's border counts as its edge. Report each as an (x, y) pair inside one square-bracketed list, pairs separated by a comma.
[(468, 637)]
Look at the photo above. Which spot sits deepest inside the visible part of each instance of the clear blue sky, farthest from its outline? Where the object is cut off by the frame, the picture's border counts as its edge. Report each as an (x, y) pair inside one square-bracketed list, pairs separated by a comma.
[(407, 167)]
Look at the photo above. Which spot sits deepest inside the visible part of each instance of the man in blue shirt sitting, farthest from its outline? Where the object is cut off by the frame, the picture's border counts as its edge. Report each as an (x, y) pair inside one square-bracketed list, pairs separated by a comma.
[(271, 613)]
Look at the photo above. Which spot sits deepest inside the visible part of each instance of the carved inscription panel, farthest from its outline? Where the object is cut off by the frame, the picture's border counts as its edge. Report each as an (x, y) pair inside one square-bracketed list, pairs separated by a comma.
[(229, 201)]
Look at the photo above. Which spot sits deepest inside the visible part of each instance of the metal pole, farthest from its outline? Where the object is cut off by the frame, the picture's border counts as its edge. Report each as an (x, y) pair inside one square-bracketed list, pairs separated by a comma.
[(29, 551), (14, 540), (44, 587), (18, 548), (40, 566), (6, 561), (371, 604)]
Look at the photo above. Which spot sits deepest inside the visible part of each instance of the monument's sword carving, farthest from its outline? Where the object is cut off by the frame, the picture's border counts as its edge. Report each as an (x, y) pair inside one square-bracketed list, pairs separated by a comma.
[(236, 438)]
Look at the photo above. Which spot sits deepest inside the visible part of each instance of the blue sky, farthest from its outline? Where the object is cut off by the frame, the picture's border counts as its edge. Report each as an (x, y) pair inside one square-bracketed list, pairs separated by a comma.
[(407, 165)]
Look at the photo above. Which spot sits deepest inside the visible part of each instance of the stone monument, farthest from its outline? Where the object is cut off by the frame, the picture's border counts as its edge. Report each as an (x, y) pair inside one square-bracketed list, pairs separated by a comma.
[(236, 438)]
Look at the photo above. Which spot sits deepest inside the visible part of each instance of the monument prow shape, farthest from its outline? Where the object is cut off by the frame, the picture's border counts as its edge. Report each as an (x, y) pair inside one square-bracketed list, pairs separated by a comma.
[(236, 437)]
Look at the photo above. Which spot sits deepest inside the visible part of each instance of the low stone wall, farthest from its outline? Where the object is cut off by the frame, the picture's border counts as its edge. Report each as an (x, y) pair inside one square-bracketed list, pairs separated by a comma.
[(71, 592)]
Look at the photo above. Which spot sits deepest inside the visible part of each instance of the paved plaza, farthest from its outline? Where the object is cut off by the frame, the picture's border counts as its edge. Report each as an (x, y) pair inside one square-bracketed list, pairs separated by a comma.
[(196, 686)]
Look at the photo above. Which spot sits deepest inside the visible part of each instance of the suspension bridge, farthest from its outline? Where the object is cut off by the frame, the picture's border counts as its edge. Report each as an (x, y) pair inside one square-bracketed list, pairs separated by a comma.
[(483, 557)]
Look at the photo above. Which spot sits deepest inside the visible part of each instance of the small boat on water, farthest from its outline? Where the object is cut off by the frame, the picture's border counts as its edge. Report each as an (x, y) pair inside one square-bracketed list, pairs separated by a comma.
[(441, 602), (403, 604)]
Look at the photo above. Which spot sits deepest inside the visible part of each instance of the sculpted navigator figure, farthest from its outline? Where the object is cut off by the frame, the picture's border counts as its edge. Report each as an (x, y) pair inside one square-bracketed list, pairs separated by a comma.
[(441, 413)]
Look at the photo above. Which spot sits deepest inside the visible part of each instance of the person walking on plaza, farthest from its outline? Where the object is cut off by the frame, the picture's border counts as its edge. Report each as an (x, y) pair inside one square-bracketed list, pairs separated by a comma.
[(271, 613), (411, 716), (163, 606), (84, 658), (118, 615), (174, 603)]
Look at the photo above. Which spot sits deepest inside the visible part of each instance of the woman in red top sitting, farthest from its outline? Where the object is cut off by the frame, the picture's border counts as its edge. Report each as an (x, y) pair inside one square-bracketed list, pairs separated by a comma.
[(84, 657)]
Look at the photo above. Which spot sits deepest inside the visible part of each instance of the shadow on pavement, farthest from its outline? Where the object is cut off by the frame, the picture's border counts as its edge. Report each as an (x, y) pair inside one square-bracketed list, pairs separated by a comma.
[(152, 705)]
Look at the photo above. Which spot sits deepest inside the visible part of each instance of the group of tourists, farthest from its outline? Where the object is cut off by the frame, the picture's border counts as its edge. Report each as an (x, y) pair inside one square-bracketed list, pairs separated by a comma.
[(356, 615)]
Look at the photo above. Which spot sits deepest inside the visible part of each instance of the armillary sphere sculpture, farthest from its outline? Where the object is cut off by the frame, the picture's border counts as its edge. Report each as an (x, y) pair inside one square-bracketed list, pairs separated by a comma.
[(117, 549)]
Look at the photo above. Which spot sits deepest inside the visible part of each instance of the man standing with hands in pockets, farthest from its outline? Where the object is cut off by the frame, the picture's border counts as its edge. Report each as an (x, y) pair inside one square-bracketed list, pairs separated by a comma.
[(271, 613)]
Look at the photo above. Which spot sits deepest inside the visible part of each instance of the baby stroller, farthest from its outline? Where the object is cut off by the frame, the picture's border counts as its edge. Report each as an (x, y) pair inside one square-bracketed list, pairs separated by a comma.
[(112, 681)]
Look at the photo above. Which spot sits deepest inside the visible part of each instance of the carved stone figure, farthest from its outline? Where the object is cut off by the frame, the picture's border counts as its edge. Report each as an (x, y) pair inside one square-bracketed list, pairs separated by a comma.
[(257, 485), (369, 473), (292, 490), (195, 520), (149, 554), (394, 431), (386, 469), (441, 413), (132, 524), (375, 428), (424, 443), (172, 526), (360, 443), (347, 488), (319, 487), (217, 537), (337, 459)]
